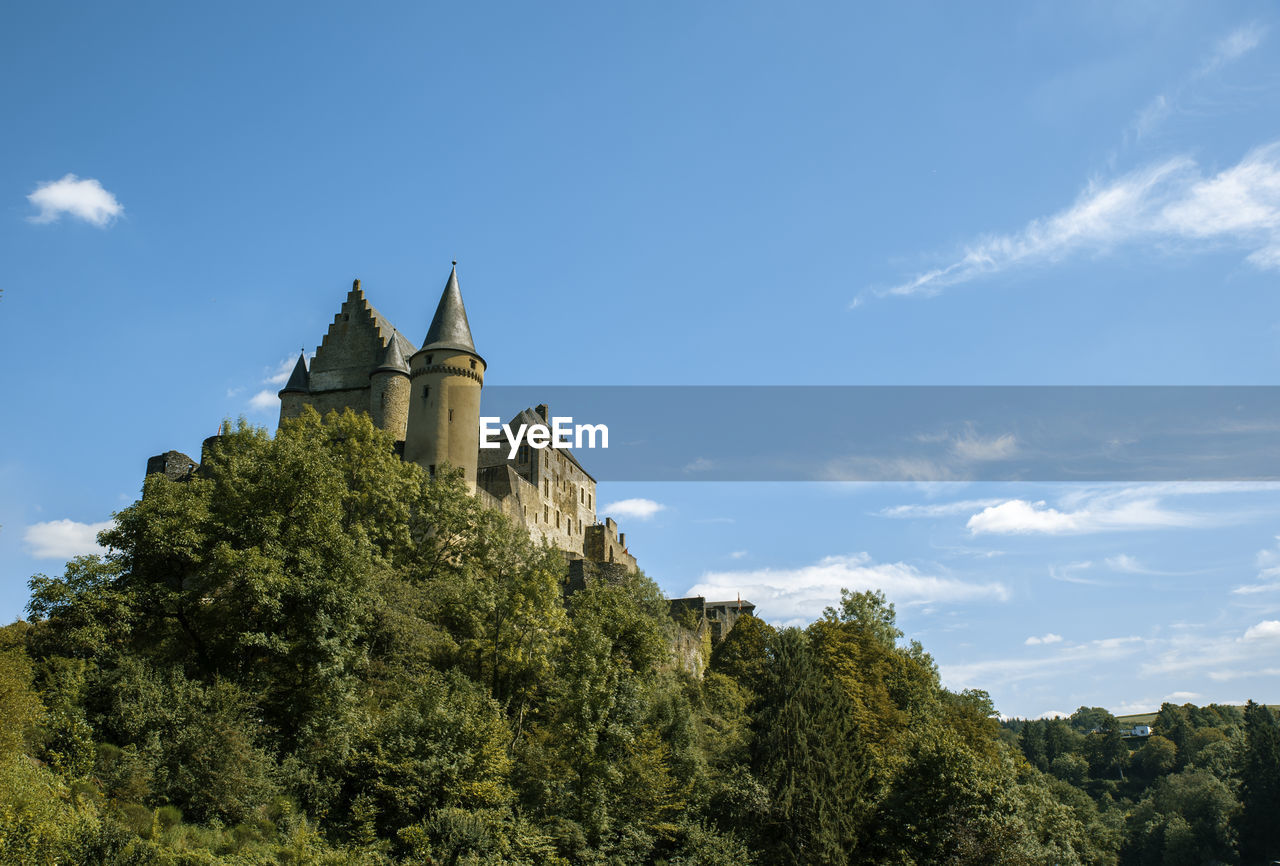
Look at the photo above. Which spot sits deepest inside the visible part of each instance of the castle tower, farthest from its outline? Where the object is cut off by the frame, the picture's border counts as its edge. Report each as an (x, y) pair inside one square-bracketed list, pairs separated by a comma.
[(389, 392), (295, 392), (445, 378)]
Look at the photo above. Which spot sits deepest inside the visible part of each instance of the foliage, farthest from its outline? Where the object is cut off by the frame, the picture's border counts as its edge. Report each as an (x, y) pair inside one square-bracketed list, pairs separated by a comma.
[(311, 653)]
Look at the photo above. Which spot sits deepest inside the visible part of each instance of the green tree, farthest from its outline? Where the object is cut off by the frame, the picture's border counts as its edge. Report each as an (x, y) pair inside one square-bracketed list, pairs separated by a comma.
[(1260, 786), (1184, 820), (810, 758)]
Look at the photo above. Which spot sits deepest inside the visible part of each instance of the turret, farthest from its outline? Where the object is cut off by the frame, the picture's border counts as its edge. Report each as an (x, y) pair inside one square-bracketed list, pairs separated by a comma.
[(293, 396), (445, 378), (389, 392)]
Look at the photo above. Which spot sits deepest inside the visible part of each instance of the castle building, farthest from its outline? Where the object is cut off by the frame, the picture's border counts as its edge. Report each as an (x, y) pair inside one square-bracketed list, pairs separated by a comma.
[(428, 398)]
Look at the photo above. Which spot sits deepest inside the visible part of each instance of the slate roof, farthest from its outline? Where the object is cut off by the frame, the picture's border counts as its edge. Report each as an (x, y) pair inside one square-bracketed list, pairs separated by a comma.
[(393, 358), (449, 328), (299, 380)]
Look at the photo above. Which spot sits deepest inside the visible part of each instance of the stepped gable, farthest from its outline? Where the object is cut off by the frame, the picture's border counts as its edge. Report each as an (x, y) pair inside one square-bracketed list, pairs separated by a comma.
[(354, 346)]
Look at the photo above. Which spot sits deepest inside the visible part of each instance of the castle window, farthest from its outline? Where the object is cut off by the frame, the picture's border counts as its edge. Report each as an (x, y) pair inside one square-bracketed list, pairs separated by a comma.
[(546, 487), (589, 500), (426, 391), (428, 359), (431, 470), (546, 513), (582, 494), (473, 365), (451, 415)]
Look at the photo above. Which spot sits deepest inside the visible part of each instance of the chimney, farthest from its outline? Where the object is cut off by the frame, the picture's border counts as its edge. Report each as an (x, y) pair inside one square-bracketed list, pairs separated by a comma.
[(542, 410)]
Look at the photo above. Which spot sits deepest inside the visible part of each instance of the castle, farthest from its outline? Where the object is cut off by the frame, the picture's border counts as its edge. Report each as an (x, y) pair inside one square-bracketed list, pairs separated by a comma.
[(428, 399)]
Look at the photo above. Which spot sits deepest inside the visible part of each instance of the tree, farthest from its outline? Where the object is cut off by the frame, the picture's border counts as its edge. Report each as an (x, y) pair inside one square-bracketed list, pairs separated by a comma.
[(1184, 820), (1260, 786), (809, 756)]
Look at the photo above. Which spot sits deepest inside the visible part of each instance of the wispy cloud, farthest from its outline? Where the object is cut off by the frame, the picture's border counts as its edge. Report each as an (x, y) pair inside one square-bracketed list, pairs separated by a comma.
[(280, 374), (1223, 655), (63, 539), (1068, 657), (83, 199), (264, 399), (938, 509), (1049, 638), (797, 595), (636, 509), (1268, 561), (1020, 517), (1170, 203), (1123, 562), (275, 376), (1229, 48), (976, 448)]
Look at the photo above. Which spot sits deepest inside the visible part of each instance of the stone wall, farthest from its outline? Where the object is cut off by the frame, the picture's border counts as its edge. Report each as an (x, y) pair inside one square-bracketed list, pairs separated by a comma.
[(174, 465), (603, 542)]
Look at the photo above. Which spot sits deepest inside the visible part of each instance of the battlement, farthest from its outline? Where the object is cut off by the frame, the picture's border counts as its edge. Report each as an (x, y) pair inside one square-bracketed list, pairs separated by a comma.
[(604, 543)]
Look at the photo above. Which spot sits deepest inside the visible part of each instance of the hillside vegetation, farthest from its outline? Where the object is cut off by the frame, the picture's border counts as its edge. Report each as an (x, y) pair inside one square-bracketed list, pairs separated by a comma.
[(312, 654)]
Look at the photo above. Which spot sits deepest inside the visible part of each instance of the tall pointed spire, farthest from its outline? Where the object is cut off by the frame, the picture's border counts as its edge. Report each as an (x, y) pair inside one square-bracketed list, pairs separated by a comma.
[(299, 380), (449, 328), (393, 358)]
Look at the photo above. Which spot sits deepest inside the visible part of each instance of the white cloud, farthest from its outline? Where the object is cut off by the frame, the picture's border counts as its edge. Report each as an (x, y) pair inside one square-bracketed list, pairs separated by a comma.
[(1268, 629), (1231, 47), (977, 449), (1067, 657), (1126, 563), (264, 400), (1067, 573), (636, 509), (280, 374), (1268, 560), (737, 554), (1170, 203), (83, 199), (1020, 517), (1182, 697), (63, 539), (276, 376), (1045, 639), (940, 509), (796, 595)]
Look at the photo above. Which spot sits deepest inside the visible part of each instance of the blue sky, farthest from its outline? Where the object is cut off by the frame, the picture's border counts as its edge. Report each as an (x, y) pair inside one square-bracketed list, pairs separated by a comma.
[(659, 194)]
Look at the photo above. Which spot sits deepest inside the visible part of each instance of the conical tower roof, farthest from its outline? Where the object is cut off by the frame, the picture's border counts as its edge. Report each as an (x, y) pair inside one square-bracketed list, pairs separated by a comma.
[(299, 379), (449, 328), (393, 358)]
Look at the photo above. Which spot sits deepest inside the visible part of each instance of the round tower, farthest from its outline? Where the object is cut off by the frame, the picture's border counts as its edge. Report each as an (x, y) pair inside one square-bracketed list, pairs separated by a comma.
[(295, 392), (389, 391), (445, 378)]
